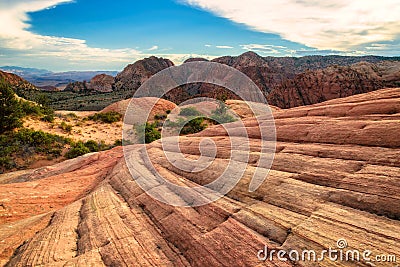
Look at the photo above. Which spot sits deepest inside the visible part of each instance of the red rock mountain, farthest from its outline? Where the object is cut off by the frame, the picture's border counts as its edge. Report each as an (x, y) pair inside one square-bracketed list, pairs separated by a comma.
[(135, 74), (16, 82), (333, 82), (99, 83), (287, 81)]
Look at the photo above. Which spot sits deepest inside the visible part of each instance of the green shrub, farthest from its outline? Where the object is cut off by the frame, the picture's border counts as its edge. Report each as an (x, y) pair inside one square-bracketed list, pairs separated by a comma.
[(25, 143), (10, 109), (72, 115), (7, 163), (220, 115), (65, 127), (107, 117), (29, 108), (150, 132), (78, 149), (189, 112), (179, 123), (194, 126), (48, 118), (37, 138), (160, 116), (93, 146), (118, 142)]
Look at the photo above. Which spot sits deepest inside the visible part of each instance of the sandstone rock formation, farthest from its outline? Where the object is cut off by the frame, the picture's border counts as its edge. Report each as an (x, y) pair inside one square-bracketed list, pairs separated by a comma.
[(139, 105), (100, 83), (269, 72), (16, 82), (135, 74), (76, 87), (287, 81), (333, 82), (335, 175)]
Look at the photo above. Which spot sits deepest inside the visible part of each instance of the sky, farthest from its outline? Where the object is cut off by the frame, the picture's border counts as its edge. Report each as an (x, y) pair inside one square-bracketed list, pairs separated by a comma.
[(63, 35)]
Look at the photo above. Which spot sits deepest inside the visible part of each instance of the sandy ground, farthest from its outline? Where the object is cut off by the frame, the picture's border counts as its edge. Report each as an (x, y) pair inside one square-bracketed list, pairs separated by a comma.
[(83, 130)]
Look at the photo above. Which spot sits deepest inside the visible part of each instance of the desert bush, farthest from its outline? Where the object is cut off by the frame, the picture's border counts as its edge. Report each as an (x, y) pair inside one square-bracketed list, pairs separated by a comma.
[(107, 117), (81, 148), (194, 126), (29, 108), (189, 112), (220, 115), (93, 146), (10, 109), (65, 127), (151, 133), (7, 163), (48, 118), (118, 142), (77, 149), (27, 142), (72, 115), (160, 116)]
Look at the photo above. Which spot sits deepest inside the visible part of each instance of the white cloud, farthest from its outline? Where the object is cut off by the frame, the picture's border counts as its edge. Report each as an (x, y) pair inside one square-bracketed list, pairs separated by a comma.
[(207, 45), (224, 47), (154, 47), (265, 48), (335, 24), (59, 53), (17, 37)]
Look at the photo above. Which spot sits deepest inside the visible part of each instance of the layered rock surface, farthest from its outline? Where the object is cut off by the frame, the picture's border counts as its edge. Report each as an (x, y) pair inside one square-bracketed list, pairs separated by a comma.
[(336, 174), (333, 82)]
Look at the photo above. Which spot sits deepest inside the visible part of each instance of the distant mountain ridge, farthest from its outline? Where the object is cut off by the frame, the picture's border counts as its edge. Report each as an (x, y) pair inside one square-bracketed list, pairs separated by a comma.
[(16, 82), (48, 80), (285, 81), (319, 85)]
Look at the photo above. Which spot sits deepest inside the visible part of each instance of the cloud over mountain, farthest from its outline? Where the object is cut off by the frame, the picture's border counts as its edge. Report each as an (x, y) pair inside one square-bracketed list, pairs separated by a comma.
[(337, 24)]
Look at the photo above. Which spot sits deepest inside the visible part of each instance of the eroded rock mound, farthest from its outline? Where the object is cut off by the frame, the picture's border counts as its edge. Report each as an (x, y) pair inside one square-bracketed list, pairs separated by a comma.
[(16, 82), (135, 74), (335, 175), (100, 83), (333, 82), (140, 105)]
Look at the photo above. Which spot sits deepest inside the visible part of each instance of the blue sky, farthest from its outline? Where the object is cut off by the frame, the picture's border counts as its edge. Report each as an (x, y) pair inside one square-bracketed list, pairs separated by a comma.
[(172, 26), (87, 35)]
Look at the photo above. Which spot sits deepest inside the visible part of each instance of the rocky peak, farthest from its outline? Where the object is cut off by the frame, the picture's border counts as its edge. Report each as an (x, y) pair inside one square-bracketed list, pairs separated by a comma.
[(16, 82), (314, 86), (137, 73), (101, 83)]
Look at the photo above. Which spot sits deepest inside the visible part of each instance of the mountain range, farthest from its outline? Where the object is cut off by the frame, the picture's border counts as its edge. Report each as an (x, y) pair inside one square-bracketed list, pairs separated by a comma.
[(52, 81), (285, 81)]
